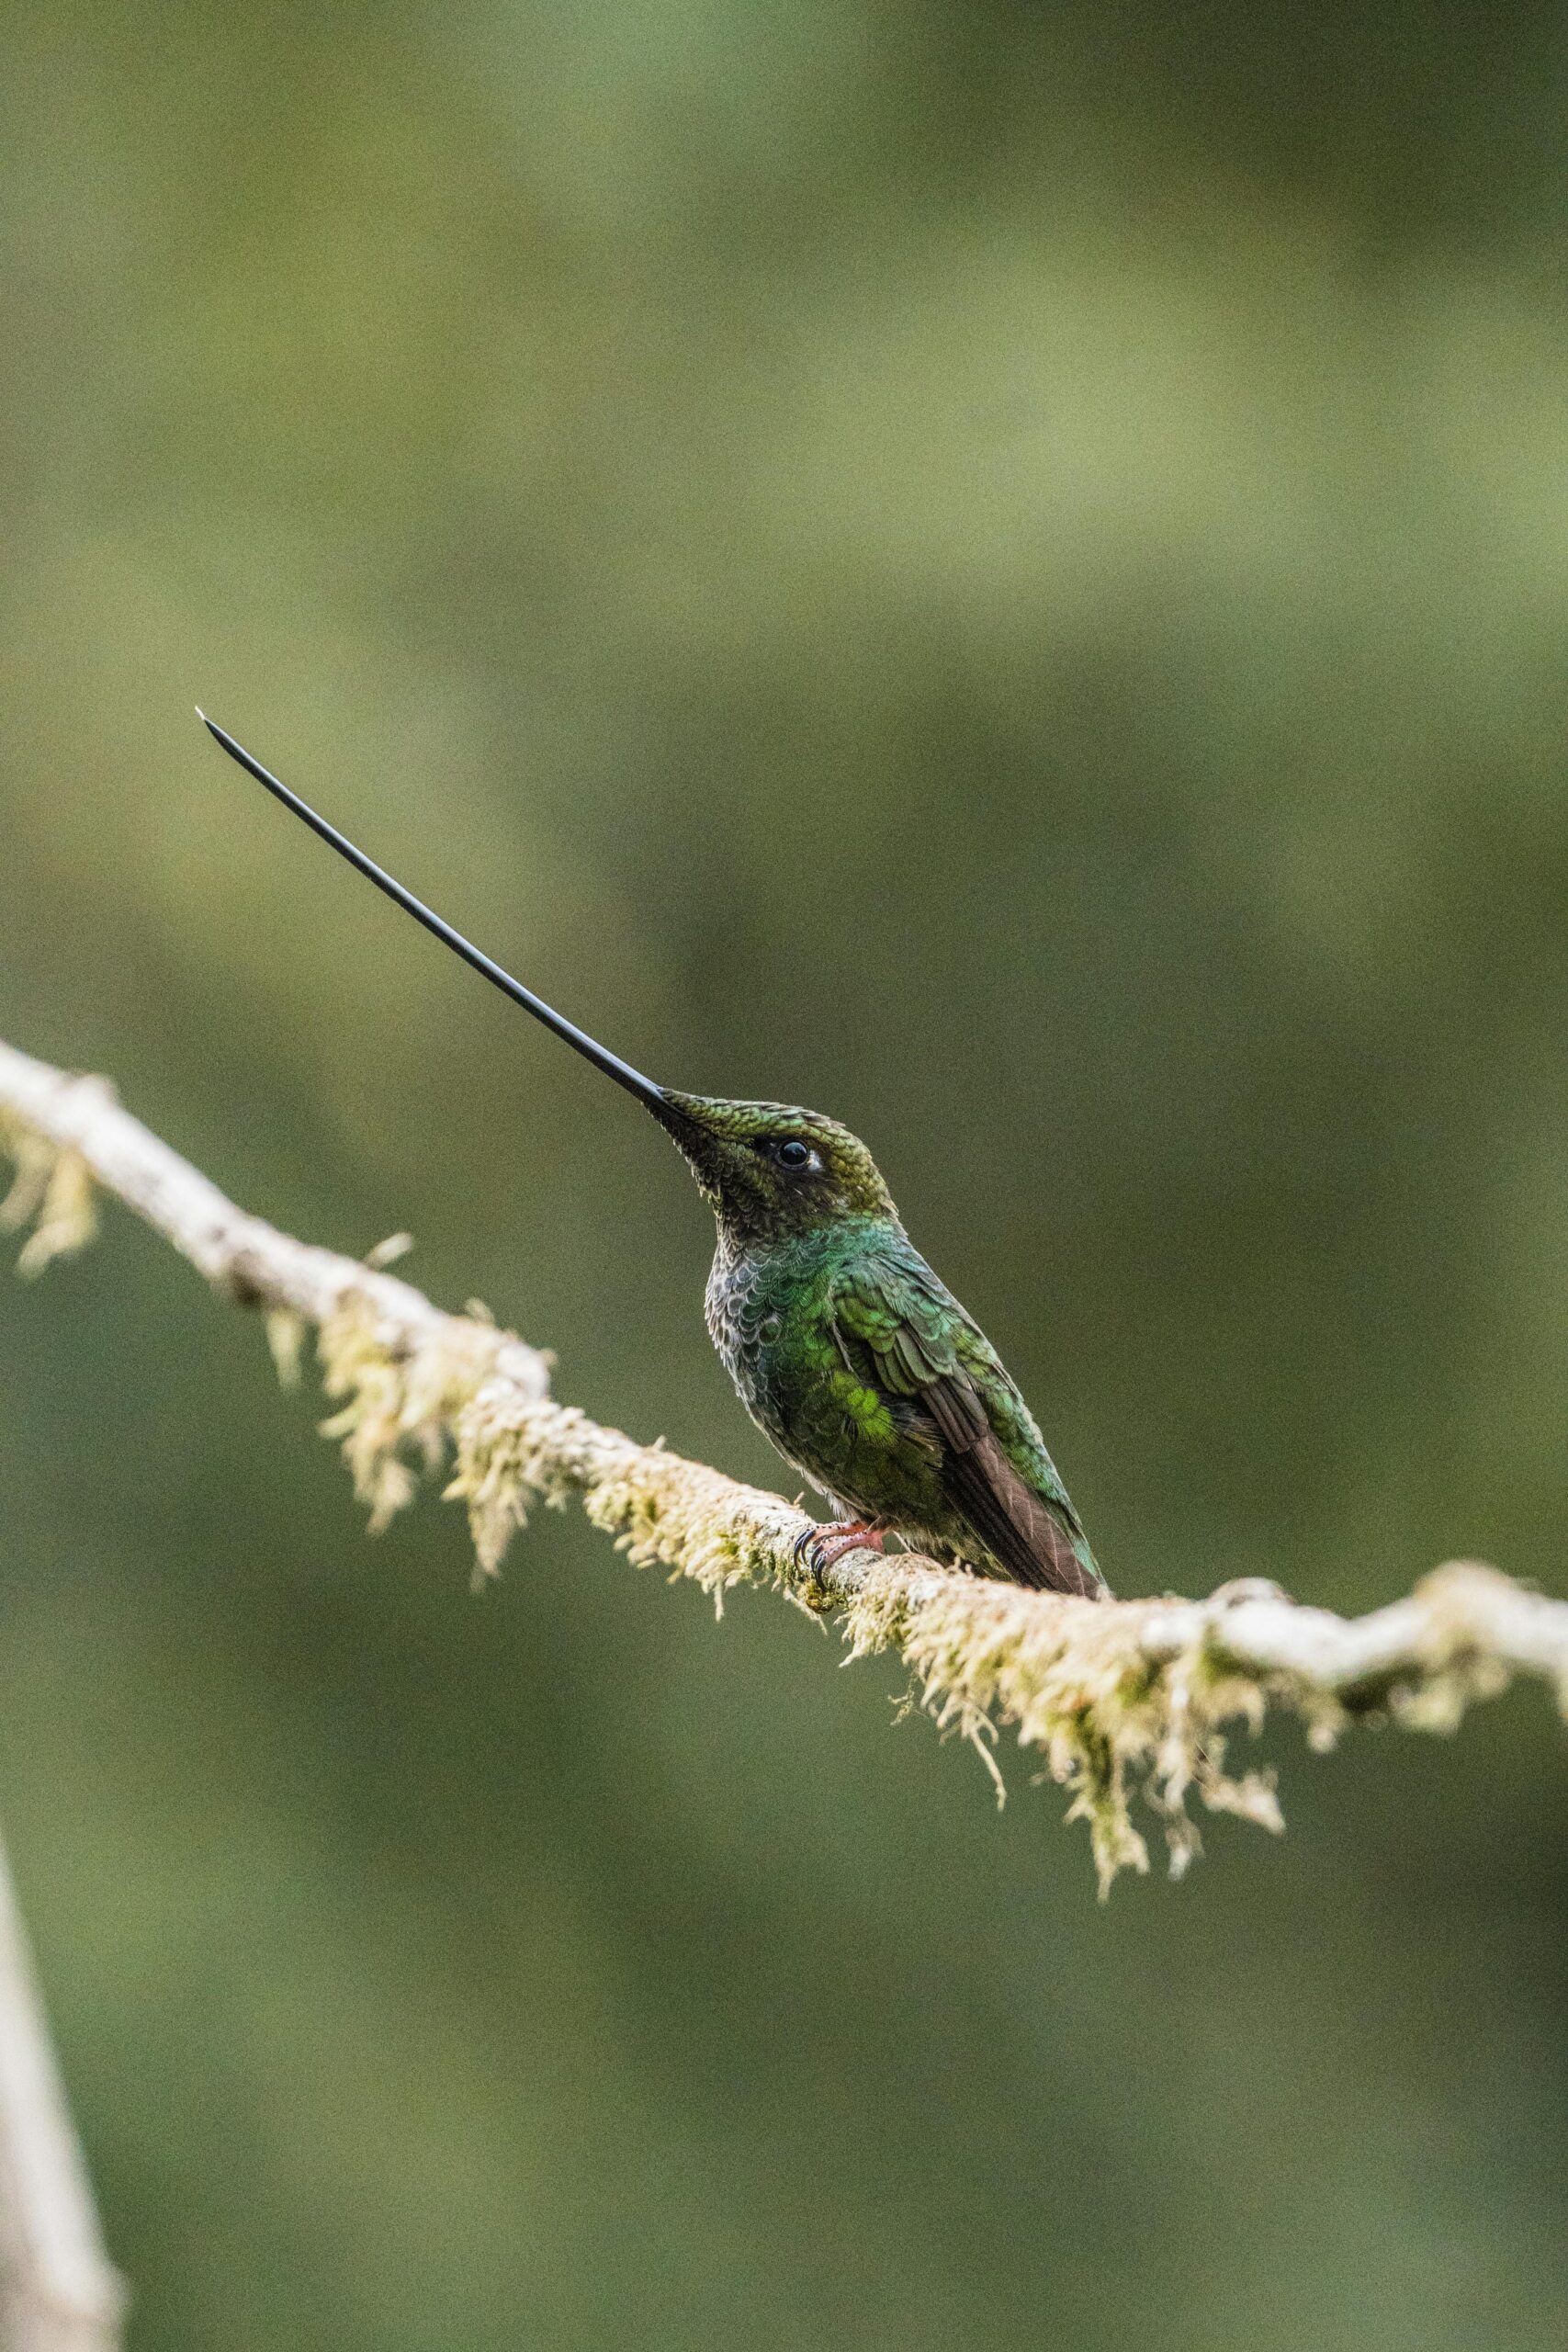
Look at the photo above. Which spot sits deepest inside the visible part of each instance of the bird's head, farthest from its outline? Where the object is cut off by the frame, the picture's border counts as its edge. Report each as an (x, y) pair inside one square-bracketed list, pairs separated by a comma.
[(766, 1168)]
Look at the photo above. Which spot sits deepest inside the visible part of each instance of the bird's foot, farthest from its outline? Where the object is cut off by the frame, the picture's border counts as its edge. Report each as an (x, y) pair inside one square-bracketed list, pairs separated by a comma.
[(820, 1547)]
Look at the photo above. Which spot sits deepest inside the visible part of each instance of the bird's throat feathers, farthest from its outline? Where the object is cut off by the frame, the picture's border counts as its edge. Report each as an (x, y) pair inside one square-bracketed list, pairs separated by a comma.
[(769, 1171)]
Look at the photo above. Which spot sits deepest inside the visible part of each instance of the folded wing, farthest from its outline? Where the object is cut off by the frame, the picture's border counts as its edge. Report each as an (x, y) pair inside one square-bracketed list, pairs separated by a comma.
[(899, 1327)]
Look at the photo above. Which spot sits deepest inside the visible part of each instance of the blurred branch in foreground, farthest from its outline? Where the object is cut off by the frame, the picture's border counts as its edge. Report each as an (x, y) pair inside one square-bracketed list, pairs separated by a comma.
[(58, 2292), (1121, 1697)]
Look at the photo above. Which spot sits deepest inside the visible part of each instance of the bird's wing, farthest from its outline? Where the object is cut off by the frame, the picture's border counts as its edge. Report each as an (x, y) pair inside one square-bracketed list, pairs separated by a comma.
[(917, 1344)]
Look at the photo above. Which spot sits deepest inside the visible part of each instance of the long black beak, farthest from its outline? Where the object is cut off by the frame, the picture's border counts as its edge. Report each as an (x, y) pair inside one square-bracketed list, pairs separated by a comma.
[(652, 1097)]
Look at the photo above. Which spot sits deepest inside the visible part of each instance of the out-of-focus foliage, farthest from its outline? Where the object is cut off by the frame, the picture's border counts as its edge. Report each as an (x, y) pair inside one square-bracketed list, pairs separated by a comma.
[(998, 570)]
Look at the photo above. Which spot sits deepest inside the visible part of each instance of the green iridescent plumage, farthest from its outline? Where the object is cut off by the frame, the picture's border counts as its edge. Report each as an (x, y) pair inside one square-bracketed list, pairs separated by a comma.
[(855, 1358), (847, 1352)]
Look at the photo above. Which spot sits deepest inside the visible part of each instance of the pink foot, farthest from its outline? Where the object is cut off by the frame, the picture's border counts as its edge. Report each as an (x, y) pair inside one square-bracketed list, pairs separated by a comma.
[(826, 1544)]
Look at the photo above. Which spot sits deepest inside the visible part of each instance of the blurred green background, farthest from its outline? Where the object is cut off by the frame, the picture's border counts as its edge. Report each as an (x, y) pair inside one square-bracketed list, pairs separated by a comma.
[(998, 571)]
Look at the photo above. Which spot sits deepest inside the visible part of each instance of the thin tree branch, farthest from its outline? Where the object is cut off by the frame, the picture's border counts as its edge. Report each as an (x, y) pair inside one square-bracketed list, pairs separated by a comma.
[(1121, 1697), (58, 2292)]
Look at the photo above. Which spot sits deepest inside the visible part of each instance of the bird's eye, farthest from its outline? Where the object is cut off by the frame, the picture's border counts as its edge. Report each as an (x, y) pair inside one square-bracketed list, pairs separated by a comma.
[(792, 1153)]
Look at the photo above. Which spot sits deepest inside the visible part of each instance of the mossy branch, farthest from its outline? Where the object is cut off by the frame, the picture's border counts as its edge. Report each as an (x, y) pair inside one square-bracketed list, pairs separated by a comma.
[(1122, 1697)]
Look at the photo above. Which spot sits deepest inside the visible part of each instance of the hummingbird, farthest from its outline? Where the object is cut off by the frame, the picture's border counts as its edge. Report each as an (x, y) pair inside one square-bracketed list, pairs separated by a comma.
[(847, 1351)]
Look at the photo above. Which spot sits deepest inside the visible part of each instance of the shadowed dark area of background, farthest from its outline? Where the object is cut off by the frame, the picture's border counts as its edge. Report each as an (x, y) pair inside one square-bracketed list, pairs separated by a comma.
[(997, 571)]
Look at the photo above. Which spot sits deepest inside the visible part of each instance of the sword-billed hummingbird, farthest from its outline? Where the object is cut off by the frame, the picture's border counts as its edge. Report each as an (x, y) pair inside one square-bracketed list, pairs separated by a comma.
[(847, 1351)]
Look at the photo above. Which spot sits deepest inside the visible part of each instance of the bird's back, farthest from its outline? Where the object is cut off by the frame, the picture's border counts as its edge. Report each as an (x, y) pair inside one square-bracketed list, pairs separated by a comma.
[(854, 1358)]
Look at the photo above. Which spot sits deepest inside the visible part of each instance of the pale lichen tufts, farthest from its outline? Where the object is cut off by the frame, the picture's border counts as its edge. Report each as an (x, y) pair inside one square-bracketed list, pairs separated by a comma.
[(402, 1396), (1073, 1679), (52, 1193)]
